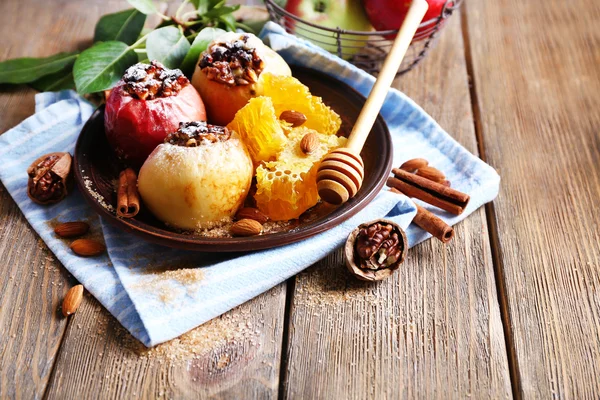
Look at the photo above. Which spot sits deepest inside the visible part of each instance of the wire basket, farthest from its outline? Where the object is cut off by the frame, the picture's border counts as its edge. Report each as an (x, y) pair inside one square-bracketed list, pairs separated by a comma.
[(366, 50)]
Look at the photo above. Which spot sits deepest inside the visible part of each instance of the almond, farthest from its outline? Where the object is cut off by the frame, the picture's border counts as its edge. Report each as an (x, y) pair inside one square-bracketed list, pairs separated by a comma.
[(433, 174), (251, 213), (309, 143), (293, 117), (414, 164), (246, 227), (71, 229), (87, 247), (72, 300)]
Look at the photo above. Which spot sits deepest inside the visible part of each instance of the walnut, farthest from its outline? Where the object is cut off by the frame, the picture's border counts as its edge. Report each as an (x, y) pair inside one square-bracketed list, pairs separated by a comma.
[(195, 133), (233, 63), (375, 249), (152, 81), (49, 178)]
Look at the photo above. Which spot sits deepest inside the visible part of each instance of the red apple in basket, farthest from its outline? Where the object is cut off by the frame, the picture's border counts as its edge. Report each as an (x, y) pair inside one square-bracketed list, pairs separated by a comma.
[(342, 14), (389, 14)]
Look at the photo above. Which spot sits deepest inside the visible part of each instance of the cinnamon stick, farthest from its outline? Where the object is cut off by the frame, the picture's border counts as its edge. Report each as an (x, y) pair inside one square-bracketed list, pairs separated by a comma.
[(433, 193), (128, 198), (429, 222)]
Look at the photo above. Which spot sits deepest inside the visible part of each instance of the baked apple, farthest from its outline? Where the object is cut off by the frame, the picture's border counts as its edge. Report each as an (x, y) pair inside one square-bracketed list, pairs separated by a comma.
[(229, 73), (198, 178), (145, 106)]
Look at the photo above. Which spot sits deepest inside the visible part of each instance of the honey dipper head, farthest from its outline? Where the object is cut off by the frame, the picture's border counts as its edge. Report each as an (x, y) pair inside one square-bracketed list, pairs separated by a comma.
[(340, 176)]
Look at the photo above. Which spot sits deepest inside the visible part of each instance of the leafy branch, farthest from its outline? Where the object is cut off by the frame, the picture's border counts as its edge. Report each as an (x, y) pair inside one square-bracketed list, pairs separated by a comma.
[(120, 41)]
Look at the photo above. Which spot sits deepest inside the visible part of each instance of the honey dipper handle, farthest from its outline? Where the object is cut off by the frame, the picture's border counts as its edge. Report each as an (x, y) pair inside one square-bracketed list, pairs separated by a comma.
[(367, 116)]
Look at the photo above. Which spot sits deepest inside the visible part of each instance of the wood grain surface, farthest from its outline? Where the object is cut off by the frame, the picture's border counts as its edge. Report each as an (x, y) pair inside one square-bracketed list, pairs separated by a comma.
[(515, 315), (433, 330), (234, 356), (32, 282), (537, 85)]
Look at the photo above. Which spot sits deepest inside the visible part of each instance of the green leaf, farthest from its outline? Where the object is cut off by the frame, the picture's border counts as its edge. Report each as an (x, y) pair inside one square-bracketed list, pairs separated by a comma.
[(145, 6), (60, 80), (167, 45), (228, 21), (200, 43), (205, 5), (25, 70), (124, 26), (221, 11), (100, 67)]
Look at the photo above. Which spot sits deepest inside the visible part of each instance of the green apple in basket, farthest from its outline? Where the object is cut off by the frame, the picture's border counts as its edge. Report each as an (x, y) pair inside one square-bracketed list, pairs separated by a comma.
[(342, 14)]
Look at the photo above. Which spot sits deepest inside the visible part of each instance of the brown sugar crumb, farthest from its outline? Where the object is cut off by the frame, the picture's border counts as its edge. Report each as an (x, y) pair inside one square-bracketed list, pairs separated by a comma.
[(159, 281), (232, 63), (151, 81), (195, 133)]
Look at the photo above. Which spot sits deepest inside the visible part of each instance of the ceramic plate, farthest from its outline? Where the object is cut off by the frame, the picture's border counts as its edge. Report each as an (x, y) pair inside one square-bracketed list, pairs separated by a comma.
[(97, 169)]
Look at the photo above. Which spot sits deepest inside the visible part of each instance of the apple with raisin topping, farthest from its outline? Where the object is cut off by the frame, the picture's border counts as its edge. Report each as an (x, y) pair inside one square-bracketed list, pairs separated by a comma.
[(229, 73), (146, 105), (198, 178)]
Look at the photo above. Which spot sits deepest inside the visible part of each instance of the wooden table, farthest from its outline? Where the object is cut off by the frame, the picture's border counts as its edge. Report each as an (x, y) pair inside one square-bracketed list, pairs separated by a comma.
[(510, 308)]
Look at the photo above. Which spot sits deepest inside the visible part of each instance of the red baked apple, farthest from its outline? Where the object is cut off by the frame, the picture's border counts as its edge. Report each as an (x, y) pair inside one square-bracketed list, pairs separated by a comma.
[(146, 105), (389, 14)]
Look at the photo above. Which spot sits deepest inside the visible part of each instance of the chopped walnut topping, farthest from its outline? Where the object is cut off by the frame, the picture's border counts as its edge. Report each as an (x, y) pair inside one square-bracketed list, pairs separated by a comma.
[(151, 81), (232, 63), (193, 134)]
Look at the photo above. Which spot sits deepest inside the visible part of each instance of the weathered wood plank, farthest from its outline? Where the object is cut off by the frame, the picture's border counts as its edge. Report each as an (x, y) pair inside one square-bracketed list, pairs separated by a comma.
[(434, 329), (537, 82)]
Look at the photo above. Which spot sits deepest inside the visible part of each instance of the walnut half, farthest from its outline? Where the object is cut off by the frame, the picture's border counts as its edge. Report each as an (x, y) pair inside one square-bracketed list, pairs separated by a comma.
[(49, 178), (374, 250)]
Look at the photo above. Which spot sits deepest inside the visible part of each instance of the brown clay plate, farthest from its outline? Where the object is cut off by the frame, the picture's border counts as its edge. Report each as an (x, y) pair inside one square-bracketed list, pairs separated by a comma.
[(97, 169)]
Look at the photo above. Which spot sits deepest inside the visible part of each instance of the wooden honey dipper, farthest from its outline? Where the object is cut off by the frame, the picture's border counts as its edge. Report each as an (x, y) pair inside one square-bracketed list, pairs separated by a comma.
[(341, 172)]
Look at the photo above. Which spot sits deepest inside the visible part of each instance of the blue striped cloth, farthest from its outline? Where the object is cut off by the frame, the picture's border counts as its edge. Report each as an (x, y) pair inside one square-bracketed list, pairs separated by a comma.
[(156, 307)]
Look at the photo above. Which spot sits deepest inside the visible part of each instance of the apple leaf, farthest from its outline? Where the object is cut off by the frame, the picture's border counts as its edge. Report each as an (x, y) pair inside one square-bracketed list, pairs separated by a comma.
[(221, 11), (60, 80), (168, 46), (25, 70), (100, 67), (124, 26), (200, 43), (228, 20), (144, 6), (205, 5)]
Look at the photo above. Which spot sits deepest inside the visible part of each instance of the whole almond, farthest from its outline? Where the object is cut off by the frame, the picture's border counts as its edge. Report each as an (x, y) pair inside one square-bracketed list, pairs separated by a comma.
[(246, 227), (251, 213), (71, 229), (433, 174), (309, 143), (87, 247), (72, 300), (414, 164), (293, 117)]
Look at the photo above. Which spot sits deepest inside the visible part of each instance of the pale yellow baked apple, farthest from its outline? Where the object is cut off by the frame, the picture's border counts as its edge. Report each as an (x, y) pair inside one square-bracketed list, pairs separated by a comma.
[(198, 178), (230, 72)]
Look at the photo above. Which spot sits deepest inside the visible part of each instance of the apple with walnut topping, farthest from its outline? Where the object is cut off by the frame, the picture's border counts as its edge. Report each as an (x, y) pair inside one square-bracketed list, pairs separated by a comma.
[(198, 178), (145, 106), (229, 73)]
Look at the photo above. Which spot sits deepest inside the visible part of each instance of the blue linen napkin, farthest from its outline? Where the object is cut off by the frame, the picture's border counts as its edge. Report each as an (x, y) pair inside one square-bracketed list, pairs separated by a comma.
[(158, 306)]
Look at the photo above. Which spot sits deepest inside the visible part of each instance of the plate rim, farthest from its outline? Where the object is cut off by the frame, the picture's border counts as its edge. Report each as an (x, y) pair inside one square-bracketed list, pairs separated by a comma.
[(234, 244)]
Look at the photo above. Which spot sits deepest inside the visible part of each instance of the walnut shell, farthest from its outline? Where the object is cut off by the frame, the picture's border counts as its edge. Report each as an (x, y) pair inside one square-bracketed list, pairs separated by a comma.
[(367, 274), (57, 173)]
